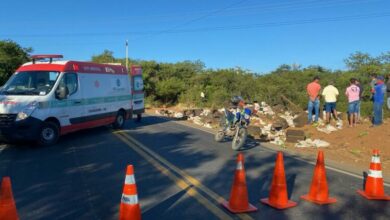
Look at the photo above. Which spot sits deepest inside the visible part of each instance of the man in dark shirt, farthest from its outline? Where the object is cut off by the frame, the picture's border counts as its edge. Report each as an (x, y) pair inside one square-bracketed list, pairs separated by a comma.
[(388, 91), (379, 96)]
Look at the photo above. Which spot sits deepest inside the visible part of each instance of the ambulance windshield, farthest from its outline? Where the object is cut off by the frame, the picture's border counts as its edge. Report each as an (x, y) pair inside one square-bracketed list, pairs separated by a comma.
[(30, 83)]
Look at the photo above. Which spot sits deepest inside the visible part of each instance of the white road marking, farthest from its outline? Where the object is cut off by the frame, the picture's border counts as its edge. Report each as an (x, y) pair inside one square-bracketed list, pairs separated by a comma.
[(272, 150), (2, 147)]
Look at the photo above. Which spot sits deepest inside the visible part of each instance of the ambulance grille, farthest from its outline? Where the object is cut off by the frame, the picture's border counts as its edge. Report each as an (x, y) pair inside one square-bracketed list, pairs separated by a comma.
[(7, 119)]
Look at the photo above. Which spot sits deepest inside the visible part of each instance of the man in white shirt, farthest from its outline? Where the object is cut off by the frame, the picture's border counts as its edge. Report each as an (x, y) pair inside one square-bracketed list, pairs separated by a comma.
[(330, 94)]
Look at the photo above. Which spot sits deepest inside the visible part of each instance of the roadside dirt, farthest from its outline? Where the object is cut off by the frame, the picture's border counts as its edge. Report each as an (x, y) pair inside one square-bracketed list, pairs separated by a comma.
[(351, 147)]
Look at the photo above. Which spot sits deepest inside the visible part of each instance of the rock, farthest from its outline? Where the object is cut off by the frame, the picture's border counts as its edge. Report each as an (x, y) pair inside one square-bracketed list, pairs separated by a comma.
[(280, 123), (300, 120), (197, 112), (189, 113), (179, 115), (294, 135), (278, 108), (205, 112), (254, 132), (197, 120)]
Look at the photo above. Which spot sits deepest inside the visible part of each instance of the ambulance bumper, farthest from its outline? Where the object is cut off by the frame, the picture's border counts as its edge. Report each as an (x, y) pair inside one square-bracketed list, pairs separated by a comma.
[(27, 129)]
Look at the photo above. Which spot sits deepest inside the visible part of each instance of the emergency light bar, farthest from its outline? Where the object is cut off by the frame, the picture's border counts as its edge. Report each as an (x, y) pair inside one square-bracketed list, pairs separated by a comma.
[(45, 56)]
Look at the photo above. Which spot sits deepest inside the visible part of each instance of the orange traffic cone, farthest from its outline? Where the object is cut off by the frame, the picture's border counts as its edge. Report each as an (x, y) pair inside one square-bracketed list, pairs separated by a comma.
[(319, 192), (238, 202), (278, 195), (374, 188), (7, 203), (130, 208)]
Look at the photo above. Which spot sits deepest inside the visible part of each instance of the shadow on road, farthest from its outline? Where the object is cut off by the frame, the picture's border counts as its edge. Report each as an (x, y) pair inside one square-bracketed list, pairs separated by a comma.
[(82, 176)]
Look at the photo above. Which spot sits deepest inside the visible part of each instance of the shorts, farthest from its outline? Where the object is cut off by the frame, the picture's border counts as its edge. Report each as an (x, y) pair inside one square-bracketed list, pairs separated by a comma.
[(330, 106), (353, 107)]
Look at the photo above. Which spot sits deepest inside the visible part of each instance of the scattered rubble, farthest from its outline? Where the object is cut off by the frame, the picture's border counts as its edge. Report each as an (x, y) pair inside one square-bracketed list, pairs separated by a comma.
[(273, 124), (294, 135), (310, 143)]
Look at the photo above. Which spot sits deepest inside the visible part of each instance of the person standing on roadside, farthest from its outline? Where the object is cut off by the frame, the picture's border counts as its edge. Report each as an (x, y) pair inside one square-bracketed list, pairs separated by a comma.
[(313, 90), (352, 93), (360, 99), (330, 94), (378, 98)]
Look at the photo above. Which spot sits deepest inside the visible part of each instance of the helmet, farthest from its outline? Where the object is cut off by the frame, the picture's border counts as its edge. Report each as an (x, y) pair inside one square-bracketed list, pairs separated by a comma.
[(235, 100)]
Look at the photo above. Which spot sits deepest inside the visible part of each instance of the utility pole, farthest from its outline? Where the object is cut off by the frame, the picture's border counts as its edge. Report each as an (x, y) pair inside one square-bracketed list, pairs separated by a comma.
[(127, 55)]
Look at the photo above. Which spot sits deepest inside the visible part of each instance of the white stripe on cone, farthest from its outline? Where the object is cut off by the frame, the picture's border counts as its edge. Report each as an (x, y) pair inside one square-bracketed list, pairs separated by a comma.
[(129, 179), (375, 173), (375, 159), (239, 166), (130, 200)]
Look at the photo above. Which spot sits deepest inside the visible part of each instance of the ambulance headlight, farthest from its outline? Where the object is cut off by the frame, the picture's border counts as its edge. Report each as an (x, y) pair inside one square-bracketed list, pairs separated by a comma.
[(27, 111)]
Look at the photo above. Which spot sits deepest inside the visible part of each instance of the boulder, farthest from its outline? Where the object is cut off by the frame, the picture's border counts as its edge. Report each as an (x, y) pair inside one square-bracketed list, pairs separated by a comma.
[(280, 123), (197, 112), (254, 132), (294, 135), (300, 120)]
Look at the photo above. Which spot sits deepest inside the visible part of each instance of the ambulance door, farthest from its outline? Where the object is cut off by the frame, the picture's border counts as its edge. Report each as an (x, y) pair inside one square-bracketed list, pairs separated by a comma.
[(137, 90), (72, 108)]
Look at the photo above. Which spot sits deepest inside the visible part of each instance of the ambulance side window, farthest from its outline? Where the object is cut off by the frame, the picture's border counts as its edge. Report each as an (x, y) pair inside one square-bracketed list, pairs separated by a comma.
[(71, 82)]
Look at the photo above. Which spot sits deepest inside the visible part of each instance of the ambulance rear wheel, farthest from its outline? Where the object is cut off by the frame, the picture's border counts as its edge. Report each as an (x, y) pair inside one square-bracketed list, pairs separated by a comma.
[(139, 118), (49, 133), (119, 120)]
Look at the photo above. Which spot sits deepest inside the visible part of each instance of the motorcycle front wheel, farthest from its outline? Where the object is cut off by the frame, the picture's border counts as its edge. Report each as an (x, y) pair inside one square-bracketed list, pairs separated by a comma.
[(219, 136), (239, 139)]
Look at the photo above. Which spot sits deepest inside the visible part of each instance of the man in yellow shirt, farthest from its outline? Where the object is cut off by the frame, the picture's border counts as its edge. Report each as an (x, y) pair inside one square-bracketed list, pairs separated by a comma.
[(330, 94)]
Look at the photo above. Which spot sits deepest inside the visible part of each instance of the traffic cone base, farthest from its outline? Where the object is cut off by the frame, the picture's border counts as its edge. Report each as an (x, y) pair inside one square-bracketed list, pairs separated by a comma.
[(239, 202), (278, 197), (289, 204), (370, 197), (318, 192), (250, 208), (374, 186), (129, 207), (319, 202), (7, 203)]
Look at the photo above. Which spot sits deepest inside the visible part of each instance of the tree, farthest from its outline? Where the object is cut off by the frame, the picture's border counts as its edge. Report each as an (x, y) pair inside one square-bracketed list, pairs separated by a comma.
[(170, 89), (364, 63), (12, 55), (106, 57)]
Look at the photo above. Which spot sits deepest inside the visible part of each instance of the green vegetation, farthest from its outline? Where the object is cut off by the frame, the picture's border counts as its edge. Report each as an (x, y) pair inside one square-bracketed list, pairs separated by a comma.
[(12, 55), (183, 82)]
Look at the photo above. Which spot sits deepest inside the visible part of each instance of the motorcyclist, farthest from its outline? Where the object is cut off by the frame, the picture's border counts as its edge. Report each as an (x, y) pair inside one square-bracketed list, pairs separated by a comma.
[(236, 109), (235, 124)]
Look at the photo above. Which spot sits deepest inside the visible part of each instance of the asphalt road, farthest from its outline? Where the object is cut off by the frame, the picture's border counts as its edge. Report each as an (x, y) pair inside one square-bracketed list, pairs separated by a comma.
[(181, 173)]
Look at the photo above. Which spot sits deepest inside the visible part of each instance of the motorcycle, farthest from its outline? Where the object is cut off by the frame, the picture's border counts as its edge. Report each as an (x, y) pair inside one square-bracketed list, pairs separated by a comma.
[(234, 125)]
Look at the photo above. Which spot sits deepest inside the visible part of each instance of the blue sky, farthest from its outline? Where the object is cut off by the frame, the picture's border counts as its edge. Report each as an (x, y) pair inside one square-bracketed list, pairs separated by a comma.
[(258, 35)]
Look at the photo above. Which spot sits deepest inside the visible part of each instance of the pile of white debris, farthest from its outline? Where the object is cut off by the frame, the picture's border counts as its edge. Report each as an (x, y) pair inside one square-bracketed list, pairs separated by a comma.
[(270, 124)]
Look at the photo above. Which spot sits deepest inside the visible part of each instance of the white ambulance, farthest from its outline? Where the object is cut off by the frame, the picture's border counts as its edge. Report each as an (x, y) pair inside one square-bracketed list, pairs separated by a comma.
[(47, 98)]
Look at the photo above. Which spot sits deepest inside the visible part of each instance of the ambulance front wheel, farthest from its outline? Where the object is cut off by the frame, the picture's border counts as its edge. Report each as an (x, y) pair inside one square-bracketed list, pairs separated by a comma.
[(119, 120), (49, 133)]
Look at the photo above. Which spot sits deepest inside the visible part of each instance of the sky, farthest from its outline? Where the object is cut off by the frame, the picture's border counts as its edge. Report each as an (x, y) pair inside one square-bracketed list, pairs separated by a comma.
[(256, 35)]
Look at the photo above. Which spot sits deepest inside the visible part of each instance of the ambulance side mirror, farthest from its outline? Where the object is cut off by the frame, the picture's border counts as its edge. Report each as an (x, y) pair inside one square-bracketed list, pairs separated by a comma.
[(62, 92)]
